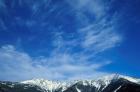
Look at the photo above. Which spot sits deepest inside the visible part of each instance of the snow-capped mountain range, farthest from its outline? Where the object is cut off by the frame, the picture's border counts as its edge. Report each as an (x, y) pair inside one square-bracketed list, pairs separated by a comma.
[(111, 83), (98, 83)]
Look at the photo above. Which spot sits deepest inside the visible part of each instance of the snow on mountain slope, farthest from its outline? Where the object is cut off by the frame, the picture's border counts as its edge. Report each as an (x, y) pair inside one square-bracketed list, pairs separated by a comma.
[(107, 79), (100, 83), (130, 79), (49, 85)]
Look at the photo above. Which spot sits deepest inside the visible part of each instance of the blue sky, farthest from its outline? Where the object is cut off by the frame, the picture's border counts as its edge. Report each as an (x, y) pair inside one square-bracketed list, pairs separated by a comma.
[(69, 39)]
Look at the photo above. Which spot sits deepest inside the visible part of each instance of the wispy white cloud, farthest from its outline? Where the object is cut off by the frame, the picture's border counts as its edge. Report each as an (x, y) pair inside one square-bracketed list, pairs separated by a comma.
[(100, 34), (100, 37), (16, 65), (95, 7)]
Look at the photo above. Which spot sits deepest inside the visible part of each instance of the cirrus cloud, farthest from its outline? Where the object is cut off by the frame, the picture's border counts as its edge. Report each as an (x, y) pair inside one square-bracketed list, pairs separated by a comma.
[(16, 66)]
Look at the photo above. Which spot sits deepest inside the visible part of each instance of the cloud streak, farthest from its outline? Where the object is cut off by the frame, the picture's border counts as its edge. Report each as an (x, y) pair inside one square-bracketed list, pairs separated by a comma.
[(100, 34), (96, 7), (100, 37), (16, 65)]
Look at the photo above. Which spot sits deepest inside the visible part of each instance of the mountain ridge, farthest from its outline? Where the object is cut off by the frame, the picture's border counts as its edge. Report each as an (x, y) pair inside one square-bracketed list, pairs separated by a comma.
[(110, 83)]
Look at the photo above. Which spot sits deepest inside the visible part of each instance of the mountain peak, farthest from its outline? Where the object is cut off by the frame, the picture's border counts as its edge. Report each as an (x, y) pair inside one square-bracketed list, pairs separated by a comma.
[(118, 76)]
